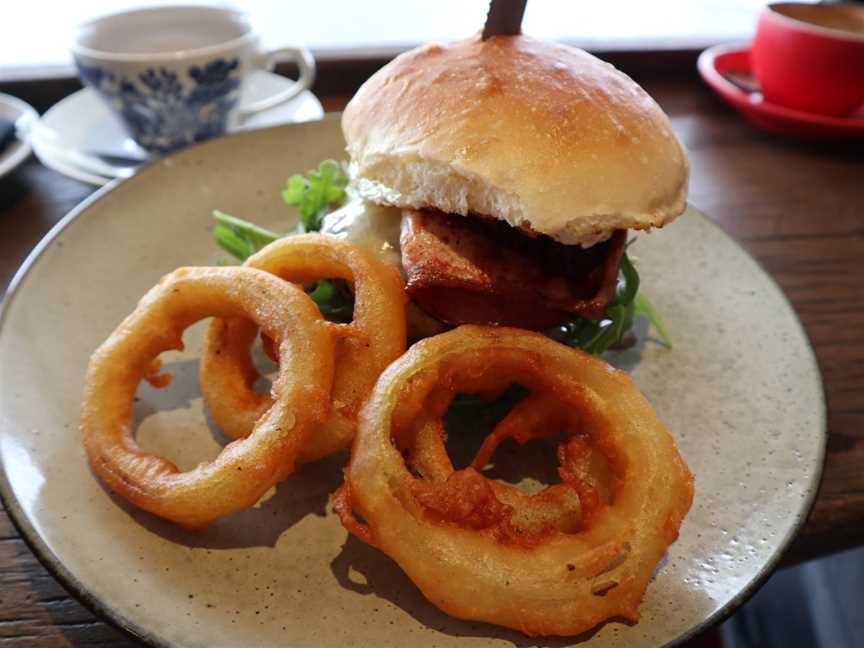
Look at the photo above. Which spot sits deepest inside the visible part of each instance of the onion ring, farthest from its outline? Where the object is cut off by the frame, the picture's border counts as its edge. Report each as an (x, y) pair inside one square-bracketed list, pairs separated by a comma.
[(456, 535), (369, 343), (246, 469)]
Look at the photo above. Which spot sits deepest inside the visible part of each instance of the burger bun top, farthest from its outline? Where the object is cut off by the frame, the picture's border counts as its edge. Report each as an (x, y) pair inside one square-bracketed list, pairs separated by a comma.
[(541, 135)]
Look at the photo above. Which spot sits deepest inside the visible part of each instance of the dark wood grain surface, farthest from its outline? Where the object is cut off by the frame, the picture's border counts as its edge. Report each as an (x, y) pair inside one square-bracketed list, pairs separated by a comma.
[(799, 208)]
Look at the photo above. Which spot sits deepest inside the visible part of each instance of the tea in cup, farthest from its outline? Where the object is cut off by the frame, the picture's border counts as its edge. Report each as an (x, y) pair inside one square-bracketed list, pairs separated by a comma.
[(174, 75)]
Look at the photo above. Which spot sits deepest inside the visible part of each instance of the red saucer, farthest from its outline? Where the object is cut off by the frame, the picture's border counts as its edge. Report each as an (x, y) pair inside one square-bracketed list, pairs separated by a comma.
[(726, 68)]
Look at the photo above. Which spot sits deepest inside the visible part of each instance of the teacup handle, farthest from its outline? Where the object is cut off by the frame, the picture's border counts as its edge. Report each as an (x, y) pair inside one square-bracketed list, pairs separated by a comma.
[(268, 60)]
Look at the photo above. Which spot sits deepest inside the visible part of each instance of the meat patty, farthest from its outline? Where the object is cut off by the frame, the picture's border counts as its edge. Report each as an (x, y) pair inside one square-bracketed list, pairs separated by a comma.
[(482, 271)]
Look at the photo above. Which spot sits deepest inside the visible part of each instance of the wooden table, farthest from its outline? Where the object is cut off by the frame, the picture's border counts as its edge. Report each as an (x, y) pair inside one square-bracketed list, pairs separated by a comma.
[(798, 208)]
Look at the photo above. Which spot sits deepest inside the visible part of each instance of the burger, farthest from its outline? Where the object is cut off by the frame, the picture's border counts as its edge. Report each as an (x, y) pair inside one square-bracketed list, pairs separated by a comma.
[(502, 176)]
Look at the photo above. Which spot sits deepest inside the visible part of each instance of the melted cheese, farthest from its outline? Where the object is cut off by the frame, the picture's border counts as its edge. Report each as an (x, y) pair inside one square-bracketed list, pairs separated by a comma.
[(374, 227)]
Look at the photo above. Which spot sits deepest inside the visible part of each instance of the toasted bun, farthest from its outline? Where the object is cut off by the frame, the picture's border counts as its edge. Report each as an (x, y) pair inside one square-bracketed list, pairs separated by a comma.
[(541, 135)]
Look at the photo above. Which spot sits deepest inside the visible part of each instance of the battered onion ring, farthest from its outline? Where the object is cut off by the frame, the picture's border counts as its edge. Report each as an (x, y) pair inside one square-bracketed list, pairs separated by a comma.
[(246, 469), (453, 534), (374, 338)]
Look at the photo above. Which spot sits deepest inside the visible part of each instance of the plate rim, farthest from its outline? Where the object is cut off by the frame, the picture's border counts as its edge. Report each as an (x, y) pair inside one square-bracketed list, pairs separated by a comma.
[(26, 530), (50, 561)]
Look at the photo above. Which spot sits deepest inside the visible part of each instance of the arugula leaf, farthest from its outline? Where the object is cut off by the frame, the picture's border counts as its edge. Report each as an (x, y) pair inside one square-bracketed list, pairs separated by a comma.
[(238, 237), (647, 310), (334, 299), (628, 282), (597, 337), (316, 193)]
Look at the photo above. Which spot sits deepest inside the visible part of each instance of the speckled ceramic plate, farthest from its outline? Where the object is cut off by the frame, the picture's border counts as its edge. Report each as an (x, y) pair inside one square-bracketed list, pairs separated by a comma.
[(740, 391)]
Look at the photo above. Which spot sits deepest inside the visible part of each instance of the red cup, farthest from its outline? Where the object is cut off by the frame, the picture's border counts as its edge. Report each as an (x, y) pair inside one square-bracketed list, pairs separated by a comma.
[(811, 57)]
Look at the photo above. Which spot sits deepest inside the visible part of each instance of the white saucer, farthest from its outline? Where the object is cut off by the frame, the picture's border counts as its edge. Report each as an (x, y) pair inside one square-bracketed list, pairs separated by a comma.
[(14, 109), (81, 124)]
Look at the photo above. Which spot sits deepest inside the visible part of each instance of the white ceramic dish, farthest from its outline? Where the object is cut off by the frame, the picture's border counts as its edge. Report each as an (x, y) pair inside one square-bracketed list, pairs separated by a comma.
[(740, 391), (81, 124), (14, 109)]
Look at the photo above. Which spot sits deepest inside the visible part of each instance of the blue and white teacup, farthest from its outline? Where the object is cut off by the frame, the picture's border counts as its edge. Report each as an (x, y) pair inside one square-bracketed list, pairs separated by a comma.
[(174, 75)]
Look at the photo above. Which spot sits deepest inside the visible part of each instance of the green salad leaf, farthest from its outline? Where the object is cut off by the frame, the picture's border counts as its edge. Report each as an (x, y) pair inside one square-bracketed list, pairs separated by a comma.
[(598, 336), (242, 239), (316, 193), (646, 310), (238, 237), (334, 299)]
